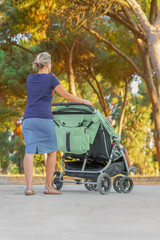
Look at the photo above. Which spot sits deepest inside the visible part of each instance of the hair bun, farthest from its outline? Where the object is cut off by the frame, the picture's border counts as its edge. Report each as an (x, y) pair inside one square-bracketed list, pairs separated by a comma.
[(40, 61)]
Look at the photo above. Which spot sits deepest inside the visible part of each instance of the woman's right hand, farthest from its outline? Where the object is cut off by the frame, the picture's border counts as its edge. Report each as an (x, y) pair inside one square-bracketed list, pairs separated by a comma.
[(87, 102)]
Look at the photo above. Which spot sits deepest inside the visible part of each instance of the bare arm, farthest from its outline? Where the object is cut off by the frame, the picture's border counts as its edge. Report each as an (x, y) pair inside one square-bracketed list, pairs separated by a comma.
[(69, 97)]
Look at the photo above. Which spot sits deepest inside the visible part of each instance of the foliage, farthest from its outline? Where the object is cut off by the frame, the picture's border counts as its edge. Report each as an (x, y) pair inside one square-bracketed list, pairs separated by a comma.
[(17, 152), (38, 164), (4, 151), (38, 25), (5, 120), (137, 135)]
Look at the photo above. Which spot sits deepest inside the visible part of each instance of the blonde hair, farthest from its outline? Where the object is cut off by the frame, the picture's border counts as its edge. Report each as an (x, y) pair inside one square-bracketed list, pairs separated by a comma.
[(41, 60)]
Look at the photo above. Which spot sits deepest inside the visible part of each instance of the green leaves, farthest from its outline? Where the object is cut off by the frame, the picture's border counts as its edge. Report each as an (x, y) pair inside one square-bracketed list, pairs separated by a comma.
[(7, 113)]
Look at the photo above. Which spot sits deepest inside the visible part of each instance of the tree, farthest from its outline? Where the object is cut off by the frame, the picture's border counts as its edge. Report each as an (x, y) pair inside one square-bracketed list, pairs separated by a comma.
[(31, 20), (145, 30), (93, 61), (137, 132), (4, 151), (17, 150)]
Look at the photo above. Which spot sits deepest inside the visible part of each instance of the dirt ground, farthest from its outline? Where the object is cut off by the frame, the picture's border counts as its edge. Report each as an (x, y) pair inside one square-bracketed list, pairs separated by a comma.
[(40, 180)]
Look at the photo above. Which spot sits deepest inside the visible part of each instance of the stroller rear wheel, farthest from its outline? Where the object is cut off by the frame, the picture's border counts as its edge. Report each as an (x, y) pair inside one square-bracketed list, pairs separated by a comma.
[(56, 183), (116, 184), (94, 186), (87, 185), (104, 183), (126, 184)]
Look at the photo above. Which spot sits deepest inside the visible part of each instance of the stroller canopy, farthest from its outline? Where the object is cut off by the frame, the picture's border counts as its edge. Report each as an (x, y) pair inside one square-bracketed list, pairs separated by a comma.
[(77, 125)]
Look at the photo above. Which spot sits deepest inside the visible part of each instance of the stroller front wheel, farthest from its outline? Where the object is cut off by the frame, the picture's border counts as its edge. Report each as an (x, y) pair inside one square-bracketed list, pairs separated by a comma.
[(126, 184), (104, 183), (56, 183)]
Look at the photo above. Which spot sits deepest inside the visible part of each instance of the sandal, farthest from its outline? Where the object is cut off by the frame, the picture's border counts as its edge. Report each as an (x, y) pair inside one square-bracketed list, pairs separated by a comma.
[(51, 191), (29, 191)]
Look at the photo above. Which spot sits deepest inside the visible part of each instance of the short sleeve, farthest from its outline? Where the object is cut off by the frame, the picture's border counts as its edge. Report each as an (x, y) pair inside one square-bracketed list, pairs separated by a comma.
[(27, 80), (54, 81)]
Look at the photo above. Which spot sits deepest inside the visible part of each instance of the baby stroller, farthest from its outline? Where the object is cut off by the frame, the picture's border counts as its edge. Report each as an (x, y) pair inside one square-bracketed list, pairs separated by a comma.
[(91, 150)]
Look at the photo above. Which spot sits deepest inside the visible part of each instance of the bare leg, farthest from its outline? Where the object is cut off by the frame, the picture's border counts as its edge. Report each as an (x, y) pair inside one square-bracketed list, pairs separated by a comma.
[(28, 169), (128, 159), (50, 168), (45, 158)]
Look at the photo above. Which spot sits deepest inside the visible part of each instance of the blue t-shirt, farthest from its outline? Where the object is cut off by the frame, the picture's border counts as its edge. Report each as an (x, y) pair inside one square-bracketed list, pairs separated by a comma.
[(40, 90)]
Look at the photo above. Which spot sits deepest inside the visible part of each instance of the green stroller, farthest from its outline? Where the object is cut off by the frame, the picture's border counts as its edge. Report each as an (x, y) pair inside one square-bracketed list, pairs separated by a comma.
[(91, 150)]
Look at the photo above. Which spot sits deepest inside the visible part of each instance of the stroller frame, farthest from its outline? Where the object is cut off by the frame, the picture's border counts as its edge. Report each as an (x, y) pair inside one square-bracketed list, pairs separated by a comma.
[(102, 170), (102, 175)]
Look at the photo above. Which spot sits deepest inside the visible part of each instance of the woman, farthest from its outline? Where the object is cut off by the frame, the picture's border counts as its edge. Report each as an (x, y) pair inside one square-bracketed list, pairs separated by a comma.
[(38, 126)]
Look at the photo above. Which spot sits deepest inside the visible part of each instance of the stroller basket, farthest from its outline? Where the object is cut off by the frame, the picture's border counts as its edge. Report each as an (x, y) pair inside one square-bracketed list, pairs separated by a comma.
[(114, 169)]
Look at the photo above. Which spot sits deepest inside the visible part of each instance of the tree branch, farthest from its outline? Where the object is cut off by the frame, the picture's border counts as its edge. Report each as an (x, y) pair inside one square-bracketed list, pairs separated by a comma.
[(153, 11), (157, 21), (99, 88), (23, 48), (129, 60), (100, 94), (132, 21), (94, 89), (92, 86), (120, 19), (116, 16), (73, 44), (123, 106), (140, 15), (130, 27), (90, 83)]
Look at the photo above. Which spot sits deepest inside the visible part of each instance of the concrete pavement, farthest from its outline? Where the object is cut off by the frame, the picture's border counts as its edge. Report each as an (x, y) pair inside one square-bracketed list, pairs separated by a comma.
[(79, 214)]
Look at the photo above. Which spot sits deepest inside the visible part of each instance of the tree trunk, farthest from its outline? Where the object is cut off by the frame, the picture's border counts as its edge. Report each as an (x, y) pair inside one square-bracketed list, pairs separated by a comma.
[(97, 93), (20, 165), (100, 94), (152, 31), (154, 49), (102, 99), (70, 72), (123, 107), (148, 78)]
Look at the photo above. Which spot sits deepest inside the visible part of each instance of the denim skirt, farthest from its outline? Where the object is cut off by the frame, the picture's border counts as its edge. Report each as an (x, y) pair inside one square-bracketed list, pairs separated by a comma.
[(39, 135)]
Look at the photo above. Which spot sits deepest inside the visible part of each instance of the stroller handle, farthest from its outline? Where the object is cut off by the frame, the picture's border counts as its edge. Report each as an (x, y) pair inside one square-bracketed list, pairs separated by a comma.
[(71, 104)]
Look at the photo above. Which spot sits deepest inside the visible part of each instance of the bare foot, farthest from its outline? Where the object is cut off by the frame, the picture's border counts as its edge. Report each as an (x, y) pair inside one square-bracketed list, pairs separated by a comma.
[(29, 191), (51, 190)]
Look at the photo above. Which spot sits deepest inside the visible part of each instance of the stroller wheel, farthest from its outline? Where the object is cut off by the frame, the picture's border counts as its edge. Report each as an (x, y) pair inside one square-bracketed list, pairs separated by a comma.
[(116, 184), (56, 180), (94, 186), (104, 183), (126, 184), (87, 185)]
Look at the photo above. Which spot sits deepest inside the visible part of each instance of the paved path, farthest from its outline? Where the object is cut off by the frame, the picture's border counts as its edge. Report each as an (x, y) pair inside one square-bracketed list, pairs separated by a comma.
[(5, 181), (79, 214)]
